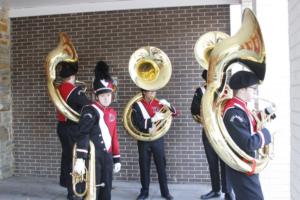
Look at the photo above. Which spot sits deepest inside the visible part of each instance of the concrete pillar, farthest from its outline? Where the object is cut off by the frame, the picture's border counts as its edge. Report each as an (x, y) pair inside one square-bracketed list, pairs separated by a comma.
[(6, 136)]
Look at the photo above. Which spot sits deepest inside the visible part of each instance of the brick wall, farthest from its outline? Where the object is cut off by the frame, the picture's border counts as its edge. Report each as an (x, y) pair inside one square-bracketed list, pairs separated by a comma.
[(294, 33), (113, 37)]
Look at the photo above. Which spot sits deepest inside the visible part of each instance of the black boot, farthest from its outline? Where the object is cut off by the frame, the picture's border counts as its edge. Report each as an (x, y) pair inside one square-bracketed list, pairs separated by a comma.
[(229, 196), (142, 196), (211, 194), (168, 197)]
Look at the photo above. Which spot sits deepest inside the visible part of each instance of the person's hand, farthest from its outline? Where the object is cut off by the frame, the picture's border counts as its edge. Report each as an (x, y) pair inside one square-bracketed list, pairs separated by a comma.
[(117, 167), (79, 167), (165, 103), (152, 129), (158, 116)]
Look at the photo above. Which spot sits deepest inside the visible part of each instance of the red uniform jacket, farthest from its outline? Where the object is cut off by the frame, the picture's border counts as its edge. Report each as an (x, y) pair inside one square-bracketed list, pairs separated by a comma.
[(143, 111), (74, 96)]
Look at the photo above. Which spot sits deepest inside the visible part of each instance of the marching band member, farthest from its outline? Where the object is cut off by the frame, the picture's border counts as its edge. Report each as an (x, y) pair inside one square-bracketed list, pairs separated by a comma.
[(68, 130), (144, 115), (214, 162), (98, 123), (243, 130)]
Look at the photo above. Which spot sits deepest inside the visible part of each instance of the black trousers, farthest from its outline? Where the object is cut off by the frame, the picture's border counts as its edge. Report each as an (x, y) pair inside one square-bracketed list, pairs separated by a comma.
[(214, 164), (245, 187), (146, 149), (104, 165), (67, 132)]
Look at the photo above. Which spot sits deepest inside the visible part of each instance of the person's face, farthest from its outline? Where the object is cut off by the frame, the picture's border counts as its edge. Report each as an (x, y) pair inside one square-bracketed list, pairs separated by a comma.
[(71, 79), (105, 99), (149, 95), (250, 92)]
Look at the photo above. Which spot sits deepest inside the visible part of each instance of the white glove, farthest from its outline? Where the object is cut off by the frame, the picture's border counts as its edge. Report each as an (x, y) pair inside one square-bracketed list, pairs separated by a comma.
[(158, 116), (79, 167), (165, 103), (117, 167), (151, 130)]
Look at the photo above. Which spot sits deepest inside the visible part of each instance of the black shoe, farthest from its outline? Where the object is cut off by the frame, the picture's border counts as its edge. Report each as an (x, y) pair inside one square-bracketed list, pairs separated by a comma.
[(211, 194), (142, 196), (74, 197), (228, 196), (168, 197)]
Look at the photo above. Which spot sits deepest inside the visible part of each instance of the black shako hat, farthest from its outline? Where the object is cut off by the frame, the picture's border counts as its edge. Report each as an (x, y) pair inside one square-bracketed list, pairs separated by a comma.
[(103, 82), (258, 68), (243, 79), (68, 69)]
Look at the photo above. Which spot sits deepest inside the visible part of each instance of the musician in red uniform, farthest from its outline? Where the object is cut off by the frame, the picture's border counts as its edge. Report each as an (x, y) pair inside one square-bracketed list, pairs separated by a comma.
[(216, 165), (144, 115), (243, 129), (68, 130), (98, 123)]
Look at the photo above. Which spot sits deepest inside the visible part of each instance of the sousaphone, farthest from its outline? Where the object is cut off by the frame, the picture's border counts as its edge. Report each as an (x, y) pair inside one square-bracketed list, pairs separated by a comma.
[(65, 51), (150, 69), (202, 50), (247, 44)]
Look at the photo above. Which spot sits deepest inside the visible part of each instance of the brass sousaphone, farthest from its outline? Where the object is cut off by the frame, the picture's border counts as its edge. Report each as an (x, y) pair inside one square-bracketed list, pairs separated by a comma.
[(202, 50), (247, 44), (150, 69), (65, 51)]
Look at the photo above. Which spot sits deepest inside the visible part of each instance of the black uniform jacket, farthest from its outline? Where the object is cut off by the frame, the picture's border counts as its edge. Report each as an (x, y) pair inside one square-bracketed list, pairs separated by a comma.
[(99, 125), (196, 102), (242, 128)]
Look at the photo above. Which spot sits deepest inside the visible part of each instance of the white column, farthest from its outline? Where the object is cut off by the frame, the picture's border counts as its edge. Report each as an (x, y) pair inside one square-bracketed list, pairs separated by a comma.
[(273, 18), (294, 33)]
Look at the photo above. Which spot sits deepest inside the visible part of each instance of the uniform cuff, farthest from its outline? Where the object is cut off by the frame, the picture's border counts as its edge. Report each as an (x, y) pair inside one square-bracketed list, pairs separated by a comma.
[(82, 153), (116, 159)]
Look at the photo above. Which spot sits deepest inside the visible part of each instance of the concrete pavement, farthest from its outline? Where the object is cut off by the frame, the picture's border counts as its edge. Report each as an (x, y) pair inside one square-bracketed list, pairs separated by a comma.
[(35, 188)]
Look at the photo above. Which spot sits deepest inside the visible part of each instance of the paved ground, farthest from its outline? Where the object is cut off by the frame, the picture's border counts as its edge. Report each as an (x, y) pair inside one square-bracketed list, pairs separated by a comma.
[(32, 188)]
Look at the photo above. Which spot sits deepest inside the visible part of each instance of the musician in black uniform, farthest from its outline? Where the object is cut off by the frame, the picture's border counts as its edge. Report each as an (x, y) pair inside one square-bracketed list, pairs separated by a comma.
[(144, 115), (214, 162), (68, 130), (243, 129), (98, 123)]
